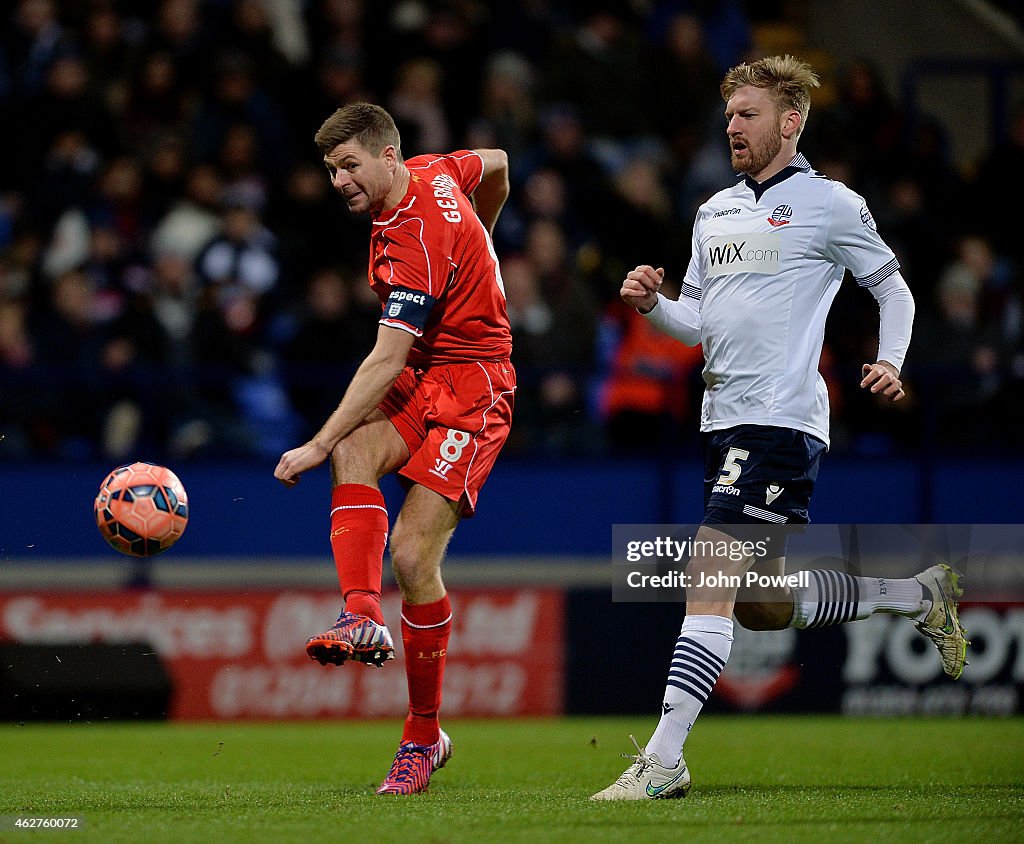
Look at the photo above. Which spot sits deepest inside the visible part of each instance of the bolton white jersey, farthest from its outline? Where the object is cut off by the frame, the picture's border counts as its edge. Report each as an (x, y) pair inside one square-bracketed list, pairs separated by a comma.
[(766, 264)]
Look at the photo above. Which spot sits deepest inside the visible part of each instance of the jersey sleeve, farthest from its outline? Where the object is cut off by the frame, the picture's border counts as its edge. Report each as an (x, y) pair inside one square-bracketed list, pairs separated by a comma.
[(853, 240), (466, 167), (414, 277), (693, 281)]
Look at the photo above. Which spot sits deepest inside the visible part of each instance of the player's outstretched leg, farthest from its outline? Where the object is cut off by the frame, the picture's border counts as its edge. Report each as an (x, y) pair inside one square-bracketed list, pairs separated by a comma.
[(413, 765), (647, 779), (930, 599), (942, 623), (353, 637)]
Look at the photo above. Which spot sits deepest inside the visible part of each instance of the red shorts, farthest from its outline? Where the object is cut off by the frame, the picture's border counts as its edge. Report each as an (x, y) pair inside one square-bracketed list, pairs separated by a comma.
[(454, 418)]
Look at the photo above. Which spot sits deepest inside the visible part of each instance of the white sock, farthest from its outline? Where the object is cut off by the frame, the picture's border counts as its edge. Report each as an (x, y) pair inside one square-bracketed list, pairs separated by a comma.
[(903, 596), (702, 650), (834, 597)]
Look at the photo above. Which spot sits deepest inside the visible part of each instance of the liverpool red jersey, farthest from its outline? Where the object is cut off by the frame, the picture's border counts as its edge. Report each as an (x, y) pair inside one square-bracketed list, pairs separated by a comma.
[(433, 266)]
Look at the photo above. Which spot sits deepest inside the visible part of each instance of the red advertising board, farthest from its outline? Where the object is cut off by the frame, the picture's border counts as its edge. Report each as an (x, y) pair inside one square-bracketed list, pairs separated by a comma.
[(239, 655)]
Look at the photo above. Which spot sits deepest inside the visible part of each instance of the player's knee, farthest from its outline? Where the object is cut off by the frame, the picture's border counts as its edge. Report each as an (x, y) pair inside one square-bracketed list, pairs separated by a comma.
[(409, 556), (763, 615), (346, 459)]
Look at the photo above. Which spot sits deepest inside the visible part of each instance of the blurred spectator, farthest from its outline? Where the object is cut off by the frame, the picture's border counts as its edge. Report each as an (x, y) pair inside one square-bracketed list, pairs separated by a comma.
[(1001, 174), (637, 223), (179, 32), (600, 68), (337, 78), (330, 337), (75, 395), (651, 395), (239, 266), (156, 103), (194, 219), (563, 149), (544, 196), (957, 358), (251, 34), (119, 204), (683, 94), (911, 229), (559, 356), (33, 42), (507, 106), (240, 162), (417, 109), (343, 27), (109, 54), (163, 181), (727, 32), (864, 127), (452, 38), (67, 105), (529, 27), (18, 379), (234, 101), (311, 228)]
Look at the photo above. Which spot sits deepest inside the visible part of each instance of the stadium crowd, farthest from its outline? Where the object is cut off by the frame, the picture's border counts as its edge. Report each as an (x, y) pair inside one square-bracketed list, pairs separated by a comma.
[(177, 277)]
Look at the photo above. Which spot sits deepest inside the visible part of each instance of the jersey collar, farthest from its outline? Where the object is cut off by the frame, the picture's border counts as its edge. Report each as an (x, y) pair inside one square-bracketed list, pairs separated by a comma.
[(799, 164)]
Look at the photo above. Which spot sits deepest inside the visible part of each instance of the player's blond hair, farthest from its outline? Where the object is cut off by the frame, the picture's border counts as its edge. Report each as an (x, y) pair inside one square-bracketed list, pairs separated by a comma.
[(788, 78), (368, 125)]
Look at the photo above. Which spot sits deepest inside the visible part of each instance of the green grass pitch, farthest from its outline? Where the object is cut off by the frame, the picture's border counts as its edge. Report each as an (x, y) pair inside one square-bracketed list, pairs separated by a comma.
[(757, 778)]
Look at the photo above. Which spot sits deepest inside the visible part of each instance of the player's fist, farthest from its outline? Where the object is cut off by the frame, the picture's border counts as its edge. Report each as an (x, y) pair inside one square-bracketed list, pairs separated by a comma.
[(882, 378), (640, 287), (293, 463)]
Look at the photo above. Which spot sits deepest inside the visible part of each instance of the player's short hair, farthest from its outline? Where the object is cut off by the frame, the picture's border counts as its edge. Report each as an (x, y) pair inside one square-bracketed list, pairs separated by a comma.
[(368, 125), (789, 79)]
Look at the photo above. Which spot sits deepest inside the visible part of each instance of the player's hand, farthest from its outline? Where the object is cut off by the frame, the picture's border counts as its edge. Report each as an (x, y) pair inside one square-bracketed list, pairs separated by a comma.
[(293, 463), (640, 287), (883, 379)]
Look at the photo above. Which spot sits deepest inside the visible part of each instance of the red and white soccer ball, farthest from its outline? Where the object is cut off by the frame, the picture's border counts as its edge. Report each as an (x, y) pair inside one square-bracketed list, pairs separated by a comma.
[(141, 509)]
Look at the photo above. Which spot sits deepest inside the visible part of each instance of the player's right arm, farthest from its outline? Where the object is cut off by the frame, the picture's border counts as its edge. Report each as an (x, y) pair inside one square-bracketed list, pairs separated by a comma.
[(490, 195), (677, 318), (369, 385)]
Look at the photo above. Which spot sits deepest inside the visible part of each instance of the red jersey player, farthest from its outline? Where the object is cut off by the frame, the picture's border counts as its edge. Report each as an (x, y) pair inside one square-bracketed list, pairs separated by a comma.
[(432, 401)]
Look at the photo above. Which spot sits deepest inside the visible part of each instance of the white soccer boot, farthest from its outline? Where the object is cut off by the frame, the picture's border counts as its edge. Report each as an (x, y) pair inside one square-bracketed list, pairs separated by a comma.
[(647, 779), (942, 624)]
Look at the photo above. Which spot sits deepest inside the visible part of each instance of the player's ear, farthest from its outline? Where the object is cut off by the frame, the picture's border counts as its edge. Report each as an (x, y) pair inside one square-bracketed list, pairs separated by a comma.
[(791, 121), (391, 157)]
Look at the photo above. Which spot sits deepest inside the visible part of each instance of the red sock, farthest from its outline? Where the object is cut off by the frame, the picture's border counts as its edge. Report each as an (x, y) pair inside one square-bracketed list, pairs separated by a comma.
[(359, 532), (425, 629)]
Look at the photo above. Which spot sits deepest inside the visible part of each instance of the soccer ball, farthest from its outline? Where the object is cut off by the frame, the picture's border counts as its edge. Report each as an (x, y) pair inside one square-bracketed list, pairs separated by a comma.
[(141, 509)]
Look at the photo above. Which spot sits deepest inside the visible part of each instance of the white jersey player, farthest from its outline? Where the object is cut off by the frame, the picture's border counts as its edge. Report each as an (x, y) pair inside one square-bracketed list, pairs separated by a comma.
[(768, 257), (767, 261)]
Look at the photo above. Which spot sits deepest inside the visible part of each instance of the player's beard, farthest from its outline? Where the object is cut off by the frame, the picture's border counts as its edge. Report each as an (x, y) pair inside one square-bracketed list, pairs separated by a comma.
[(759, 156)]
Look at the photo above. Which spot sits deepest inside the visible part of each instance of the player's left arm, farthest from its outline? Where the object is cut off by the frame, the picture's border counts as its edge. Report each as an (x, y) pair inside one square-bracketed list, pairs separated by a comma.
[(490, 195), (896, 321), (853, 241)]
